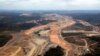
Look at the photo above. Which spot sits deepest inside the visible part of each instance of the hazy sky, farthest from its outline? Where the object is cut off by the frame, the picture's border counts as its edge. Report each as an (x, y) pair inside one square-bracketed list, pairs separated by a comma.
[(50, 4)]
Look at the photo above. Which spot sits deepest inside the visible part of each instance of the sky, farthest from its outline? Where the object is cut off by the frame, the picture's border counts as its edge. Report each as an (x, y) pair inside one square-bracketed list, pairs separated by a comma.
[(49, 4)]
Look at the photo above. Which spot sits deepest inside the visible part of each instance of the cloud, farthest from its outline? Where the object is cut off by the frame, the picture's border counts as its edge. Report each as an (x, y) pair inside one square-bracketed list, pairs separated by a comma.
[(49, 4)]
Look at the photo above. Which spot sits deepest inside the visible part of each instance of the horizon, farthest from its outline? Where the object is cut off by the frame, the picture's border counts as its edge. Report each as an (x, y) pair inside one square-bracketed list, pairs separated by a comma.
[(49, 5)]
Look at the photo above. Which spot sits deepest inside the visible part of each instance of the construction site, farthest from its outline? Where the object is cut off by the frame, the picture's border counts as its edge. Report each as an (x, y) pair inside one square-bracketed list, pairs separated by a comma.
[(64, 36)]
